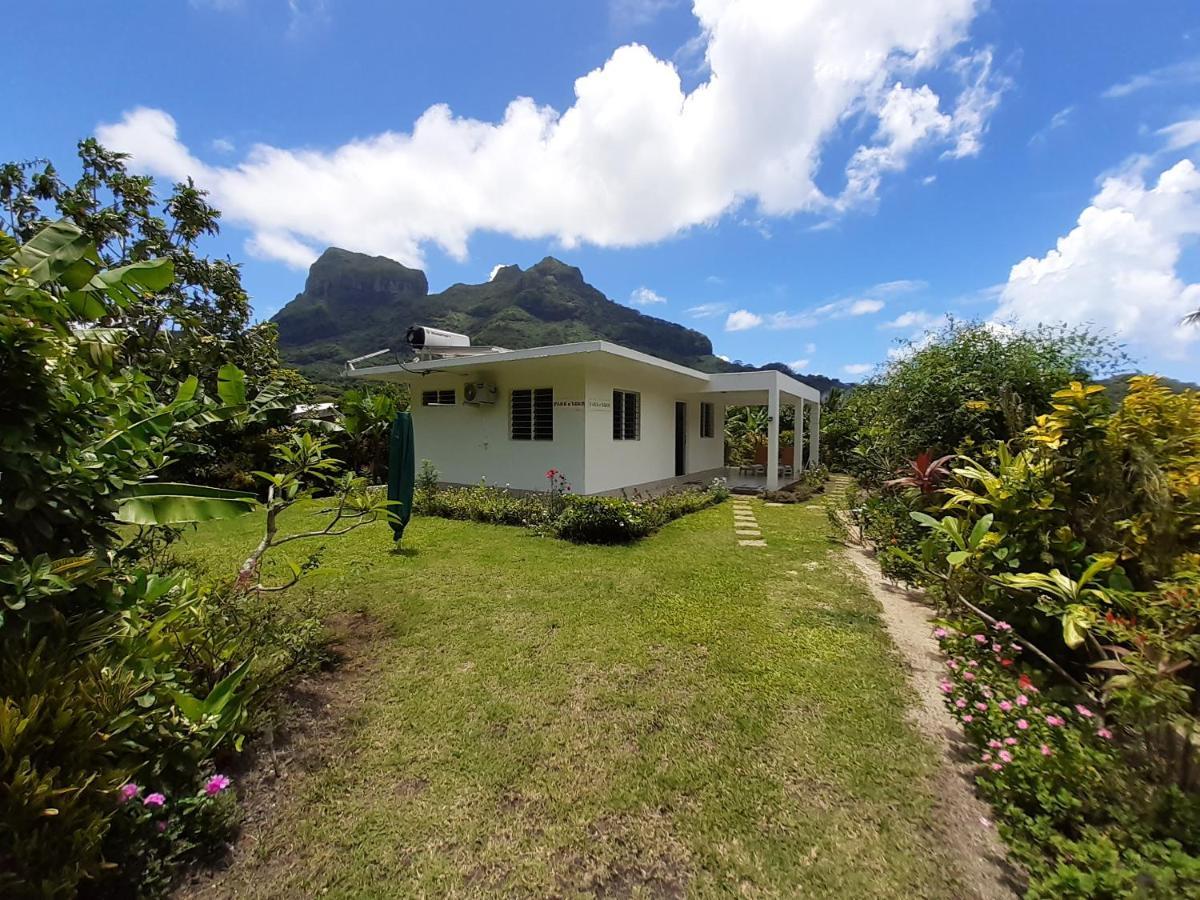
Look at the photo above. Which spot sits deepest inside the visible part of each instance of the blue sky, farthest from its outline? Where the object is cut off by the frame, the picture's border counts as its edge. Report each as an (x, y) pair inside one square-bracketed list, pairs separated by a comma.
[(802, 181)]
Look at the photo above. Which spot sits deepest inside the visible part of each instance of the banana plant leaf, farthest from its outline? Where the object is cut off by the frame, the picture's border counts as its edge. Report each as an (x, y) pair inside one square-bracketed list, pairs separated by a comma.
[(164, 503)]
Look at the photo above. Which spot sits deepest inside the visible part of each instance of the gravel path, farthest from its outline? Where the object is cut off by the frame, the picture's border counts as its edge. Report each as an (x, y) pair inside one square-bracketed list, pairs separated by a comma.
[(961, 815)]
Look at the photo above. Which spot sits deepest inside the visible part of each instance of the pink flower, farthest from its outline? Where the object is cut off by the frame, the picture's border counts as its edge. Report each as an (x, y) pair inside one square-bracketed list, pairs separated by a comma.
[(156, 800), (996, 767), (1011, 741), (1083, 710), (968, 718), (947, 687), (981, 639), (1006, 756), (994, 744), (1022, 724), (128, 792), (996, 648), (216, 784), (952, 664), (981, 706), (987, 692), (960, 703), (974, 664), (1022, 700), (968, 676), (1046, 751), (1055, 721), (940, 633), (1002, 626), (161, 825), (1104, 733), (987, 757), (1006, 706)]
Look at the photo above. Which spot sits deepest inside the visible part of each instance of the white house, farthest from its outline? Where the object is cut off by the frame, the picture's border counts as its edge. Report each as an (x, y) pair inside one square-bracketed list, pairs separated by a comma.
[(605, 416)]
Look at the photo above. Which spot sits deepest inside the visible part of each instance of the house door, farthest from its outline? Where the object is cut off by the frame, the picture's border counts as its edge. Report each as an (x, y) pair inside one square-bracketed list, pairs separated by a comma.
[(680, 438)]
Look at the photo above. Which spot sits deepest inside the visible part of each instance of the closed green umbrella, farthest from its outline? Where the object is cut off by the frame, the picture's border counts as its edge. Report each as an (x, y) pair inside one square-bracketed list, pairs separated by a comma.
[(402, 473)]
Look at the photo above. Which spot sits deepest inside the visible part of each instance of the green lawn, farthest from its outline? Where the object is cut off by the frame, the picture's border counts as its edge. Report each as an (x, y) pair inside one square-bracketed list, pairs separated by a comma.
[(682, 717)]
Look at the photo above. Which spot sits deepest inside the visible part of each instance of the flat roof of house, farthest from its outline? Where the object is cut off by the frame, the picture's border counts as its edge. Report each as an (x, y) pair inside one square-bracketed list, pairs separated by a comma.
[(723, 382)]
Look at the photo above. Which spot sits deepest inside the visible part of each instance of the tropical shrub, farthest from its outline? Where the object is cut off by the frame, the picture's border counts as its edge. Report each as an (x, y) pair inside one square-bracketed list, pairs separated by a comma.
[(1069, 558), (810, 483), (1054, 770), (114, 662), (962, 387)]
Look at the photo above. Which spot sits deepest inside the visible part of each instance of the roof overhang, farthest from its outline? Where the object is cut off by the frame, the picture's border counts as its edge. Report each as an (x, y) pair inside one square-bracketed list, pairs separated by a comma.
[(735, 388)]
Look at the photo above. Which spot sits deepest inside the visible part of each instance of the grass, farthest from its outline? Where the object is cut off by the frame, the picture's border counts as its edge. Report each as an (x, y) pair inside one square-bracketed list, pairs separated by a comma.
[(680, 717)]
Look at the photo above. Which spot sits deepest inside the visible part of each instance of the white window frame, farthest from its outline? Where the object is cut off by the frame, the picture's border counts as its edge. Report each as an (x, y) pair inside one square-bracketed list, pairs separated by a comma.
[(439, 397)]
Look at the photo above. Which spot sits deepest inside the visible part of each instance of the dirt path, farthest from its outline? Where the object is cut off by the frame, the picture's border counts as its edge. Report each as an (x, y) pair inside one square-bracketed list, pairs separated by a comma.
[(960, 814)]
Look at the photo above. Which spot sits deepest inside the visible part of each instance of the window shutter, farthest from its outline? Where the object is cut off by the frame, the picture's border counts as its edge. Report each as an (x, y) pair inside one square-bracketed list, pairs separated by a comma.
[(543, 414), (632, 417), (522, 415)]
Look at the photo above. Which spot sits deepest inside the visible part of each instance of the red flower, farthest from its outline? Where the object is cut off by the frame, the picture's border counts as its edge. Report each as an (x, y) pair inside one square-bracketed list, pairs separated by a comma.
[(1006, 662), (552, 473)]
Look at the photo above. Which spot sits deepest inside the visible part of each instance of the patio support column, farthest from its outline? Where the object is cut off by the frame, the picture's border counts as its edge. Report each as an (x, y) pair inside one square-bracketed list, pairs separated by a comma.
[(798, 438), (814, 435), (773, 438)]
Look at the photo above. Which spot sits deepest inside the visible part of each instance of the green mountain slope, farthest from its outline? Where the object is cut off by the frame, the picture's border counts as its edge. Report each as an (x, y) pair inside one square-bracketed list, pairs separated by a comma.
[(354, 304)]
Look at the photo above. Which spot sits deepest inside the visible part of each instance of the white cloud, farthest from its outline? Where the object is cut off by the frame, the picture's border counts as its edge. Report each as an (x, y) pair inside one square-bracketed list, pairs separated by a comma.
[(910, 119), (1185, 72), (857, 368), (1118, 267), (629, 13), (222, 145), (707, 310), (724, 357), (810, 348), (865, 304), (865, 307), (635, 158), (797, 365), (1057, 121), (914, 318), (643, 296), (742, 320), (496, 268), (1181, 134)]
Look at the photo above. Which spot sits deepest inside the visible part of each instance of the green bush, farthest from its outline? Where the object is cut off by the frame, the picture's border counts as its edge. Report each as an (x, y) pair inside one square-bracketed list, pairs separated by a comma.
[(482, 503), (1083, 537), (589, 520), (114, 662), (602, 520), (970, 385)]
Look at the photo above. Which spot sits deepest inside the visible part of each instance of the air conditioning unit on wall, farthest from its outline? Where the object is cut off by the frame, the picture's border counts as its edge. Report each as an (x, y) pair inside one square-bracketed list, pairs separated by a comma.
[(479, 393)]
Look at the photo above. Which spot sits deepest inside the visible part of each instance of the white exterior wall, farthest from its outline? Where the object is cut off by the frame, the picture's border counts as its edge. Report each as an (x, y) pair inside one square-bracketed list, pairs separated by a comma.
[(613, 464), (467, 443)]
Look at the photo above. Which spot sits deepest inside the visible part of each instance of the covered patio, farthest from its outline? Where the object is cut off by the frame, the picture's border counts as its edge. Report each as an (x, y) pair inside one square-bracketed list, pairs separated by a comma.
[(774, 390)]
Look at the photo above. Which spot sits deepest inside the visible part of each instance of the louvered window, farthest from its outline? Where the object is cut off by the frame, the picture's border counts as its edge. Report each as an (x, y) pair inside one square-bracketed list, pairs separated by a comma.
[(706, 420), (627, 416), (438, 398), (532, 412)]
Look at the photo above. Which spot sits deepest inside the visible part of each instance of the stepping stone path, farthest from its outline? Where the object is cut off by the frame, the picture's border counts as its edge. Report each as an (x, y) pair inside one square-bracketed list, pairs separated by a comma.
[(745, 526)]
